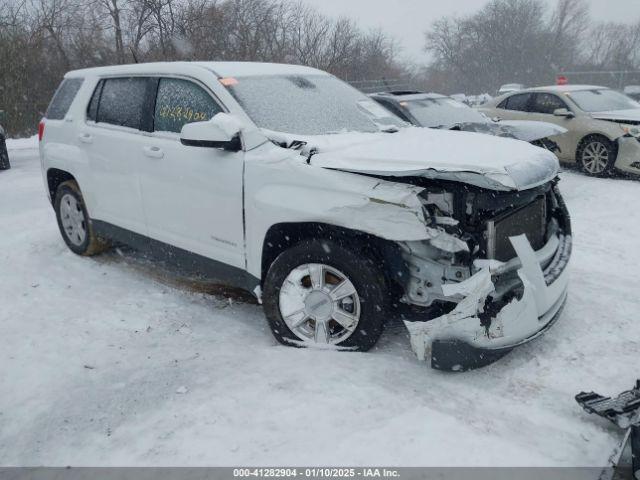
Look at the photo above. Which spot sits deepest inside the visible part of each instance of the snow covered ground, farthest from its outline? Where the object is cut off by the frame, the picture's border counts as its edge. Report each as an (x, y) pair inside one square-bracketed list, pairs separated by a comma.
[(112, 361)]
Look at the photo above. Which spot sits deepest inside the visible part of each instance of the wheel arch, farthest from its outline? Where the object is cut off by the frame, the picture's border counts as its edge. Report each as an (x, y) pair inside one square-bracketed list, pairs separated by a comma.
[(595, 134), (283, 236), (55, 177)]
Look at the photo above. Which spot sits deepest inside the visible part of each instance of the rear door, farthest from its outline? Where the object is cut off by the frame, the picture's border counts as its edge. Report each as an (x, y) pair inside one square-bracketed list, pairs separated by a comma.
[(193, 197), (118, 118)]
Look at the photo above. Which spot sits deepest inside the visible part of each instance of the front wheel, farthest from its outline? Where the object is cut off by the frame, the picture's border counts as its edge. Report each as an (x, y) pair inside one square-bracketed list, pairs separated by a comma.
[(319, 292), (597, 155)]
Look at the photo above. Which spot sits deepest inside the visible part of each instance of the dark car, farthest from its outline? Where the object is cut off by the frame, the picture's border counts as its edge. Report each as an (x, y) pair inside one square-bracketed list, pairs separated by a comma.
[(433, 110), (4, 155)]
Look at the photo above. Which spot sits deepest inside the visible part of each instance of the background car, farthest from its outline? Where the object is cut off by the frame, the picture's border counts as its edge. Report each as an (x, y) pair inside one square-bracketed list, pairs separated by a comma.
[(510, 87), (4, 156), (433, 110), (603, 125), (632, 91)]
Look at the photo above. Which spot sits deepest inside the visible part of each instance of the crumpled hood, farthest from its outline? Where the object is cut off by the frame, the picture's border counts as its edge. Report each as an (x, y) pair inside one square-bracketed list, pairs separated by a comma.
[(526, 130), (476, 159), (530, 131), (622, 116)]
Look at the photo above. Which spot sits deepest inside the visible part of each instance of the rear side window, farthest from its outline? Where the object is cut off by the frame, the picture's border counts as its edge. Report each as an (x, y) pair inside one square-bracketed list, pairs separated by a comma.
[(518, 102), (122, 102), (180, 102), (63, 98)]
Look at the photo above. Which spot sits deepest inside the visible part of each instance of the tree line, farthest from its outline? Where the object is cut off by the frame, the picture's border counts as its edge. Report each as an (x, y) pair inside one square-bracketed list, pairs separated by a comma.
[(505, 41), (524, 41), (40, 40)]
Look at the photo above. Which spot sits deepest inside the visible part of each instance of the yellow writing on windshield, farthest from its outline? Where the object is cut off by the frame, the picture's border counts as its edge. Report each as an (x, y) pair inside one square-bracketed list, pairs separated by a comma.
[(182, 113)]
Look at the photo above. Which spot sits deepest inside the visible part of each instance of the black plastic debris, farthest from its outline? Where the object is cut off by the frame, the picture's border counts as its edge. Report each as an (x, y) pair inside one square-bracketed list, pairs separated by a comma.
[(624, 412)]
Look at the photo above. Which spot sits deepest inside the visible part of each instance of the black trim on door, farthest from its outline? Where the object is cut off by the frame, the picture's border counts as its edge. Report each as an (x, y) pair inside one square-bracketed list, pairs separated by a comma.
[(184, 261), (148, 116)]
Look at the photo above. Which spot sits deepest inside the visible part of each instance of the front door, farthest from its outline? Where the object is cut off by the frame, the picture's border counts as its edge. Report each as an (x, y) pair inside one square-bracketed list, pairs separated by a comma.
[(192, 196), (541, 109)]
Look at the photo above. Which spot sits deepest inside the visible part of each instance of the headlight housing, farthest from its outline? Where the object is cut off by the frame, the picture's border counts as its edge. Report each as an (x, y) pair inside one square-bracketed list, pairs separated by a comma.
[(631, 130)]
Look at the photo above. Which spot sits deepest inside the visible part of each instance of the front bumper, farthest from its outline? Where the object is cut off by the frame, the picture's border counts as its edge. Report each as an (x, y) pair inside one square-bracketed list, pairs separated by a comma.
[(628, 159), (504, 305)]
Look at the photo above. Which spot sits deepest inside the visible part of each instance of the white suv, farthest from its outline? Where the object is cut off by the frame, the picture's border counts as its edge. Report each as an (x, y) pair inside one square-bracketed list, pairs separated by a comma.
[(287, 182)]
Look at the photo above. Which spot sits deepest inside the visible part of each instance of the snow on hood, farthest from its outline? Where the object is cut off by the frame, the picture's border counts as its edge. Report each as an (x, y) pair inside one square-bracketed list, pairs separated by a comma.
[(476, 159), (530, 131), (526, 130), (631, 115)]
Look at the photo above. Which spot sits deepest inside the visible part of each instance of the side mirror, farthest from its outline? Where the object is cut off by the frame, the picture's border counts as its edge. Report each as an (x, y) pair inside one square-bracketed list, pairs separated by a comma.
[(563, 112), (222, 131)]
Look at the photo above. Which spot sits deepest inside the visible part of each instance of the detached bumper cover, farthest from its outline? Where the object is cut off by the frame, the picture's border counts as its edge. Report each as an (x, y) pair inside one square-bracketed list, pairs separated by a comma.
[(484, 325)]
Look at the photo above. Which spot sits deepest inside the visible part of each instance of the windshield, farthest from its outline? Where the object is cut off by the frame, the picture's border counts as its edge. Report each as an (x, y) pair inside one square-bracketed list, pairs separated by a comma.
[(309, 105), (442, 112), (602, 100)]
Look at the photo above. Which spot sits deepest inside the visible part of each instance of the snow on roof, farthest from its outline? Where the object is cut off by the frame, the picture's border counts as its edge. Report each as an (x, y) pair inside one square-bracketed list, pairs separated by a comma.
[(411, 96), (221, 69), (564, 88)]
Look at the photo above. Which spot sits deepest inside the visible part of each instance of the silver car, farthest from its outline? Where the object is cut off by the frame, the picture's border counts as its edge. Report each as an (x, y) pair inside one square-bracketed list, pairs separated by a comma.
[(603, 125)]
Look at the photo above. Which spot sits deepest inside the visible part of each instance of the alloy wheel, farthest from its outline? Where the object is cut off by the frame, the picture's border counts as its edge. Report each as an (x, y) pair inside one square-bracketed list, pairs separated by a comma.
[(319, 304), (595, 158)]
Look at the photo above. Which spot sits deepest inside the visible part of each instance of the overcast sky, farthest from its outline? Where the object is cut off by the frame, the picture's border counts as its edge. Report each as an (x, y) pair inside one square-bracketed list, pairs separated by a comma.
[(406, 20)]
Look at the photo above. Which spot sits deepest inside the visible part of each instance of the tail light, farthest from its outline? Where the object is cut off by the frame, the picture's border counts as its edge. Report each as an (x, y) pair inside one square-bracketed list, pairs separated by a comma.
[(40, 130)]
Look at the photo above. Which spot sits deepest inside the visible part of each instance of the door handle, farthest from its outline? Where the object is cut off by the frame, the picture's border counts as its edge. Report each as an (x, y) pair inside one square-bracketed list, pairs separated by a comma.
[(85, 138), (153, 152)]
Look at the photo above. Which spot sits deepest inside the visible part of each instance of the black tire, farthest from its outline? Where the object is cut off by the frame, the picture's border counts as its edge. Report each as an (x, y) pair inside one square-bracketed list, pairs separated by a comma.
[(91, 245), (4, 155), (585, 159), (368, 281)]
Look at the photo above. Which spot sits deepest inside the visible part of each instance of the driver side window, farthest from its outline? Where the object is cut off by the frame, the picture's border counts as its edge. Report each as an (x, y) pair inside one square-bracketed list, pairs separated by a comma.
[(546, 103), (180, 102)]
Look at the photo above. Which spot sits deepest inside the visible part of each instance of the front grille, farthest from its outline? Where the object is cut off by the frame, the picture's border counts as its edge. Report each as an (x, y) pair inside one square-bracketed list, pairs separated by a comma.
[(530, 220)]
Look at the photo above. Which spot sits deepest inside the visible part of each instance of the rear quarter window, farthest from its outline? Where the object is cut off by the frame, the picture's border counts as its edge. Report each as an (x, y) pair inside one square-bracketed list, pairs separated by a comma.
[(63, 98)]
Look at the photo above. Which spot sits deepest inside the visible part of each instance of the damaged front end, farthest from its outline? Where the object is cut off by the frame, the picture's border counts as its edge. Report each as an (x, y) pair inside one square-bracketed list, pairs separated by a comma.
[(496, 278)]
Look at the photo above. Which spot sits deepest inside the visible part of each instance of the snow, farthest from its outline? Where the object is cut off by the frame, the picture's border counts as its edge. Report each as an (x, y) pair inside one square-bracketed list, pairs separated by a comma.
[(22, 143), (222, 69), (498, 163), (94, 351)]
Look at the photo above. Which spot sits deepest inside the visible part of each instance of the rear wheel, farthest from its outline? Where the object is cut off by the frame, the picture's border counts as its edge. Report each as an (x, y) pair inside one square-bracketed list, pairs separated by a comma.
[(319, 292), (74, 222), (597, 155)]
